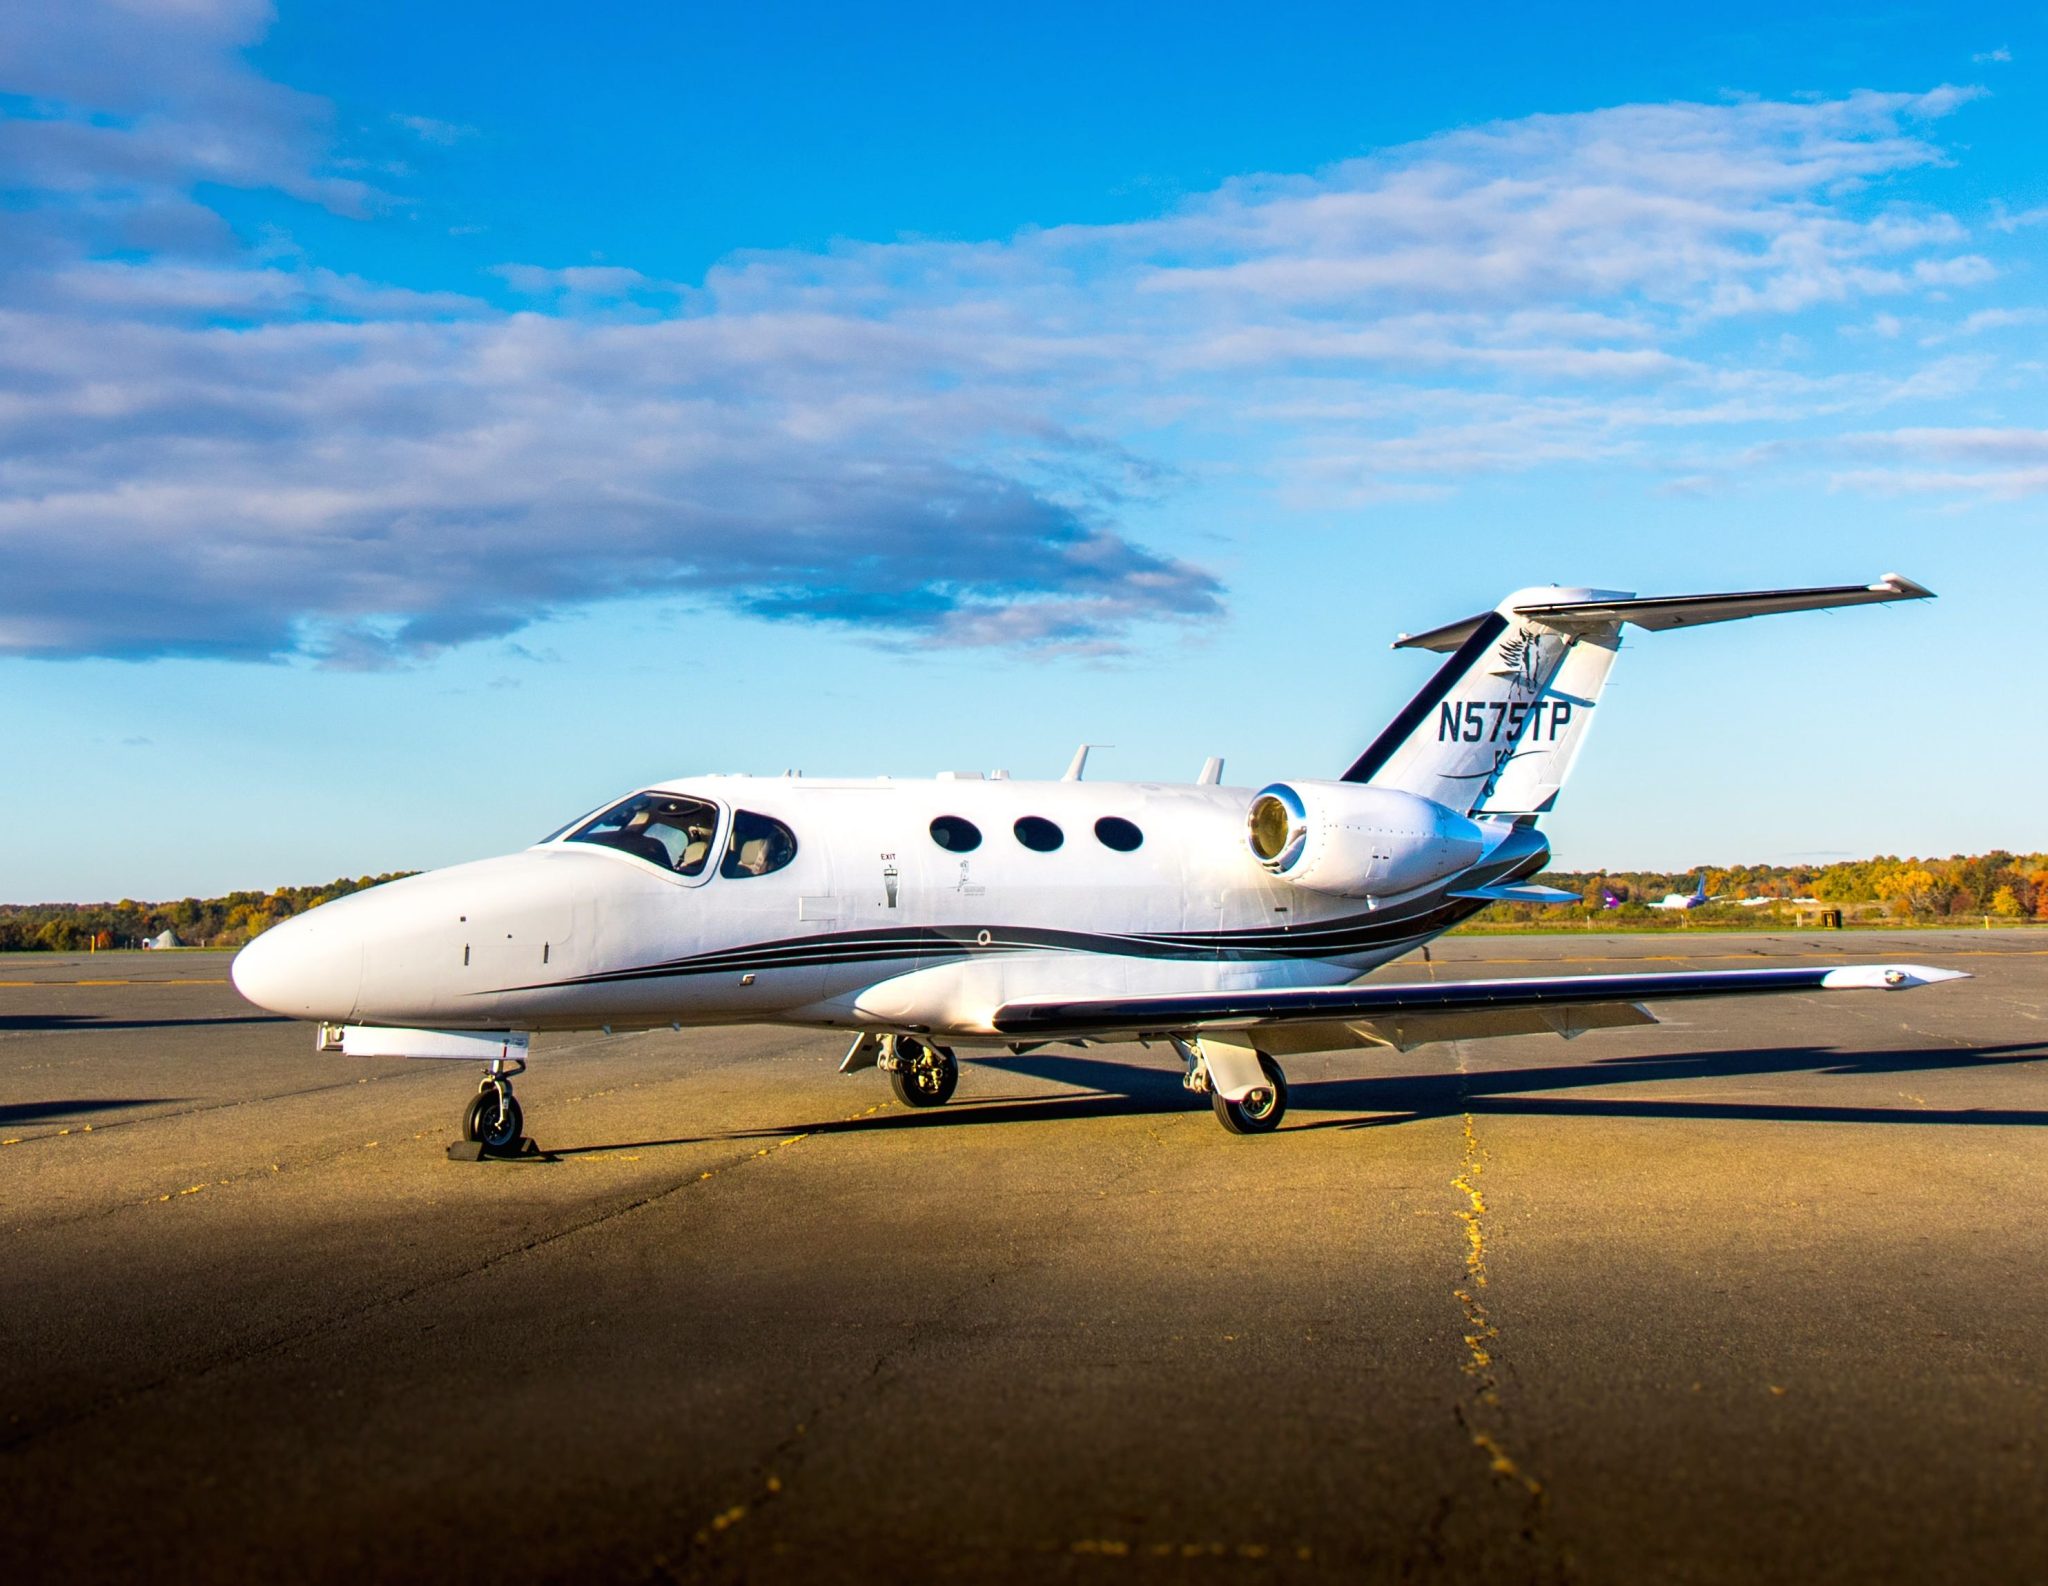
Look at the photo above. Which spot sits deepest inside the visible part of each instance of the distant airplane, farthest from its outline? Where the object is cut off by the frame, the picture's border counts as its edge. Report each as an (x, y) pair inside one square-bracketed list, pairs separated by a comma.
[(1231, 925), (1686, 900)]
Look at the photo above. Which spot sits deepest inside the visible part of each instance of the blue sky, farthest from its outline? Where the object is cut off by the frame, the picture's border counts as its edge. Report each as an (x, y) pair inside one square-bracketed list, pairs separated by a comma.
[(420, 423)]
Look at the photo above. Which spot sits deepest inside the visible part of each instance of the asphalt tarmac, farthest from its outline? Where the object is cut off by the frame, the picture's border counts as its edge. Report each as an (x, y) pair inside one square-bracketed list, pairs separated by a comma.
[(1759, 1294)]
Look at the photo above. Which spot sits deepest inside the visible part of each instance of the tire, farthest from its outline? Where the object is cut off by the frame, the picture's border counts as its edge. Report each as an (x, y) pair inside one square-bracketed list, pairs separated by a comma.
[(1261, 1111), (927, 1081), (497, 1128)]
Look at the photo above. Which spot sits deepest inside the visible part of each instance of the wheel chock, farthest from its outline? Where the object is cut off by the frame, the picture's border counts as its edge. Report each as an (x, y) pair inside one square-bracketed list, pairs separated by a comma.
[(523, 1150)]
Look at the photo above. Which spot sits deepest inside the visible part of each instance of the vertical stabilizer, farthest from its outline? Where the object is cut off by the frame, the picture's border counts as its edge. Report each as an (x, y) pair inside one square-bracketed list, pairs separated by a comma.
[(1498, 727), (1529, 779)]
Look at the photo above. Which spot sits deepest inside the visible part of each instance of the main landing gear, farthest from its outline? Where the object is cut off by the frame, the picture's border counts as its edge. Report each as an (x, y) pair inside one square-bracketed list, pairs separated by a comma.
[(922, 1075), (1215, 1066), (1261, 1110), (493, 1119)]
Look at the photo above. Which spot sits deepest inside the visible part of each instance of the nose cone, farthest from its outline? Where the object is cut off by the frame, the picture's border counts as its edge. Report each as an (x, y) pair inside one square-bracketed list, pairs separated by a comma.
[(307, 968)]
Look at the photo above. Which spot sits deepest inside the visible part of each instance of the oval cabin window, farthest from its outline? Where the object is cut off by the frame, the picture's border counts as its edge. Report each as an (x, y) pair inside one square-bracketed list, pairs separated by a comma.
[(1038, 833), (1113, 831), (956, 834)]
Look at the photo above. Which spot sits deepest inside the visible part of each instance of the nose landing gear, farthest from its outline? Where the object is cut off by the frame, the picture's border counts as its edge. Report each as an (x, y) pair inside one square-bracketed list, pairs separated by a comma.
[(493, 1119)]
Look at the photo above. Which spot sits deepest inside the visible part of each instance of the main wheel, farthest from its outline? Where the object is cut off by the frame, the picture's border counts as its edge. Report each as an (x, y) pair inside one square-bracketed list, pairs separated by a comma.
[(1262, 1110), (493, 1120), (927, 1079)]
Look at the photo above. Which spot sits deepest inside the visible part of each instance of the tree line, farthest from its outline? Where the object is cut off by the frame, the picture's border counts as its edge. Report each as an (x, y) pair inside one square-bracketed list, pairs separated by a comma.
[(1963, 886), (227, 921)]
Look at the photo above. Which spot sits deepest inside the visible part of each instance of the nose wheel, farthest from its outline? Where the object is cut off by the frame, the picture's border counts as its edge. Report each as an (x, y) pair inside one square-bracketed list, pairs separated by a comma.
[(493, 1118)]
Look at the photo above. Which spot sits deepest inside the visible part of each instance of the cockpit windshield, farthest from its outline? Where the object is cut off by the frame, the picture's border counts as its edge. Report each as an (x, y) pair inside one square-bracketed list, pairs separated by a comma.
[(662, 828), (567, 827)]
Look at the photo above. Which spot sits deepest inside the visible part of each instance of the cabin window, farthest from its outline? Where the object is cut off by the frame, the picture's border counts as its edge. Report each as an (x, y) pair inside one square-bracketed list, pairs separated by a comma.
[(956, 833), (1038, 833), (662, 828), (1113, 831), (760, 846)]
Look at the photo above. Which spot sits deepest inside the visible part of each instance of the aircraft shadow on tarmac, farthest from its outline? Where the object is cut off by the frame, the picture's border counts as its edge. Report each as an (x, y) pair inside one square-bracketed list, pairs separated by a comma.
[(1124, 1089), (20, 1112), (45, 1022)]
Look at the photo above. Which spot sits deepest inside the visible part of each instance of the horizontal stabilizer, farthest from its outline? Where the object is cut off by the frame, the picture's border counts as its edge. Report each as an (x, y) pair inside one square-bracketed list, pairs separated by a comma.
[(1659, 612), (1499, 726), (1519, 892), (1224, 1010), (1689, 611)]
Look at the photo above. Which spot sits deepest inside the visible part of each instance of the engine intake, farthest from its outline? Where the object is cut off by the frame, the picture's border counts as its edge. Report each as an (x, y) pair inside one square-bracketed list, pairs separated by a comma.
[(1357, 842)]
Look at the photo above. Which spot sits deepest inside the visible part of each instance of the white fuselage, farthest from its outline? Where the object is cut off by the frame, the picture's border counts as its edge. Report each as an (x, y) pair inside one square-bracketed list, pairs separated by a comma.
[(871, 924)]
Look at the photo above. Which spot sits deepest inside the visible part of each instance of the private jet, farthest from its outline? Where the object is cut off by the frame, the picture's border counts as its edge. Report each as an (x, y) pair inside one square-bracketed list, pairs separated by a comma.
[(1687, 900), (924, 918)]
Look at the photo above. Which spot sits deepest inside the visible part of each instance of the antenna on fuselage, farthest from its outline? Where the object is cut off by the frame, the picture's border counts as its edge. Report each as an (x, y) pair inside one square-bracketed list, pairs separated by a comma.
[(1080, 761), (1212, 772)]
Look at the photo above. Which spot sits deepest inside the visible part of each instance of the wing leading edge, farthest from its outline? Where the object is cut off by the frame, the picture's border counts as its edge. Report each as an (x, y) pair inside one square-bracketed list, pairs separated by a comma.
[(1238, 1010)]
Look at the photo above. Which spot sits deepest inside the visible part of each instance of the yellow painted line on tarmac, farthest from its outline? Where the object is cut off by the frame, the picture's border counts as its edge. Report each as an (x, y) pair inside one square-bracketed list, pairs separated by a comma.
[(1482, 1336), (222, 981)]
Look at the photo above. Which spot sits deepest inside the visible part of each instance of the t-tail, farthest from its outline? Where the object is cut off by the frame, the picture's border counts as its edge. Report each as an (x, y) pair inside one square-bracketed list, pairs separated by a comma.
[(1497, 728)]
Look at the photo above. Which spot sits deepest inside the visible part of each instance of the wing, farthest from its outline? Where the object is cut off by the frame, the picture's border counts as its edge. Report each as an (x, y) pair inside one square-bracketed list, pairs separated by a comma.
[(1508, 1006)]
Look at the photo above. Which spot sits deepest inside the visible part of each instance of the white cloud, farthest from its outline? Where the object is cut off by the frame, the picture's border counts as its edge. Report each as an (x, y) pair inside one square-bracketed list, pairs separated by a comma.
[(578, 280), (1964, 445), (428, 130), (134, 103), (1998, 56), (209, 452), (1959, 464), (1987, 319)]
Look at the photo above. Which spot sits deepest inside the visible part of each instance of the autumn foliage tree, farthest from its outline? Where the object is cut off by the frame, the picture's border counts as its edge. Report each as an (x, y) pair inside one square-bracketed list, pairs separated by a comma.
[(198, 922), (1961, 886)]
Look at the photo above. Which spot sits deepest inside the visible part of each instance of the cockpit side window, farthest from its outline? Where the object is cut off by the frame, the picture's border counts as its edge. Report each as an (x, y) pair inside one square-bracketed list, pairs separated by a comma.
[(568, 826), (759, 845), (665, 829)]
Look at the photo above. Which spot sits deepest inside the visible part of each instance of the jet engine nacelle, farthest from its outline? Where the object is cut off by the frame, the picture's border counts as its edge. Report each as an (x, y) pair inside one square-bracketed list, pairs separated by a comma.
[(1355, 841)]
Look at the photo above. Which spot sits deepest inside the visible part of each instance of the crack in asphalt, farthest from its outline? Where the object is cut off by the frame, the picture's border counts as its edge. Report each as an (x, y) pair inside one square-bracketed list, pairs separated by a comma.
[(200, 1369), (768, 1477)]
